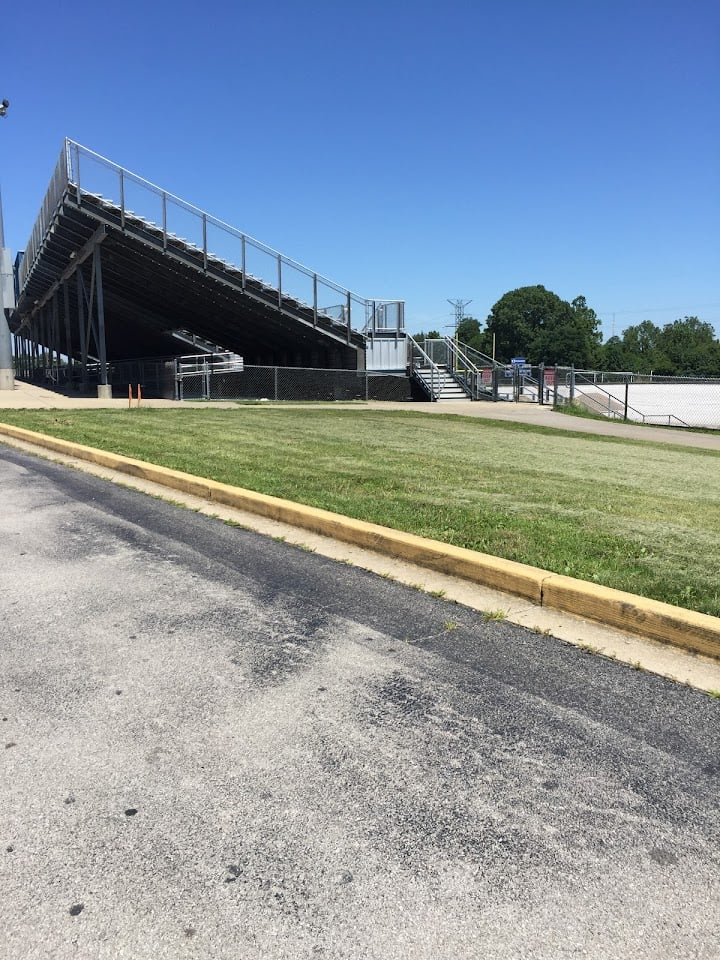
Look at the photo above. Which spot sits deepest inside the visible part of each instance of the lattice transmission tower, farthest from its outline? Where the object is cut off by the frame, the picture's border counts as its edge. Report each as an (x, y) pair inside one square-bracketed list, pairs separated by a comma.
[(459, 307)]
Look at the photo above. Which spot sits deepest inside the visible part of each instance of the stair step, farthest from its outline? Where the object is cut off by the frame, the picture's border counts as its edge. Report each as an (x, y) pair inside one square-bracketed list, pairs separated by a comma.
[(440, 383)]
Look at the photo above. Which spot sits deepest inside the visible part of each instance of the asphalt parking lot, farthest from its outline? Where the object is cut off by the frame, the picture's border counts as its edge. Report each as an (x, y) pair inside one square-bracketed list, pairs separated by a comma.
[(218, 745)]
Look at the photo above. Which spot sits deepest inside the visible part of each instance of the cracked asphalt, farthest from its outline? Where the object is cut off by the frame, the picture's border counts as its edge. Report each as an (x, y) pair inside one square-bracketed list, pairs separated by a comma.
[(217, 745)]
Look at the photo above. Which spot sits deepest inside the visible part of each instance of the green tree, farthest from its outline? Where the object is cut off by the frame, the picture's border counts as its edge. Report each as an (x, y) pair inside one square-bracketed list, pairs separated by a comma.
[(690, 348), (612, 355), (588, 324), (430, 335), (468, 332), (535, 323), (641, 348)]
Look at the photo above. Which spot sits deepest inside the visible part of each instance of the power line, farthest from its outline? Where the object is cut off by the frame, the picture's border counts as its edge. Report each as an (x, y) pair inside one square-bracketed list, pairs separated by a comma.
[(695, 306)]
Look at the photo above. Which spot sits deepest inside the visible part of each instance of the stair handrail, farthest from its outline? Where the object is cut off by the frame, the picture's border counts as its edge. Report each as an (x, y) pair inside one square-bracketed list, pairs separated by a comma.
[(462, 352), (458, 354), (435, 377), (527, 380), (485, 360)]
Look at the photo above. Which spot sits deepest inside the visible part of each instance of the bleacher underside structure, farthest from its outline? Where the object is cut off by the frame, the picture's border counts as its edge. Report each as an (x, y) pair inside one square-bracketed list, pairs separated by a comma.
[(117, 269)]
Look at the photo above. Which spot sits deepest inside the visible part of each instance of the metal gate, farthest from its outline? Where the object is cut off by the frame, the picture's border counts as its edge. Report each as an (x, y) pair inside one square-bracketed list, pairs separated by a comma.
[(194, 375)]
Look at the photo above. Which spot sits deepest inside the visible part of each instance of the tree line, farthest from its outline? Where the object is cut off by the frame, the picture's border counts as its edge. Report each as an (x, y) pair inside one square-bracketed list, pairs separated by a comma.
[(535, 323)]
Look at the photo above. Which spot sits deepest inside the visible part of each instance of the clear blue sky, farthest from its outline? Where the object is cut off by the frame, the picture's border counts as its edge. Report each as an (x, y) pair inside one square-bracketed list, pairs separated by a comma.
[(418, 150)]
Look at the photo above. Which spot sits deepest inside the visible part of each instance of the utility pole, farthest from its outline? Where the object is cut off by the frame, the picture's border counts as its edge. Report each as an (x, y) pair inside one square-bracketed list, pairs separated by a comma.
[(7, 373)]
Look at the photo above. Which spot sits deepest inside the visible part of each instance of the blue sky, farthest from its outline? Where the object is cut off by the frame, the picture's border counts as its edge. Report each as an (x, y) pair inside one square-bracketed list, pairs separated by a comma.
[(418, 150)]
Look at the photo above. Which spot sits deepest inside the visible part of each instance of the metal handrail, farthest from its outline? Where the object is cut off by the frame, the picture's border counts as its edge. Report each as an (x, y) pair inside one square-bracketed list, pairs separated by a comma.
[(485, 361), (474, 381), (647, 417), (414, 349), (533, 382), (209, 364), (208, 218), (616, 414), (462, 352)]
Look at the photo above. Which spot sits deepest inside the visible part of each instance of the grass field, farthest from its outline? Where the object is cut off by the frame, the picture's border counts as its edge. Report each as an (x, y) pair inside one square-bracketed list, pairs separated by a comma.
[(635, 515)]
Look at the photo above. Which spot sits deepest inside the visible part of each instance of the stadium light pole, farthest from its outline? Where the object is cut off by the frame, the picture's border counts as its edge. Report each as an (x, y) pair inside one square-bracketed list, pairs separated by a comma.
[(7, 373)]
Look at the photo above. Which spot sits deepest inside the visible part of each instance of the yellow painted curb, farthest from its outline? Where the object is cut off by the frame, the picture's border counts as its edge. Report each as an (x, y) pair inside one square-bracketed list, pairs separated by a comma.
[(626, 611), (648, 618)]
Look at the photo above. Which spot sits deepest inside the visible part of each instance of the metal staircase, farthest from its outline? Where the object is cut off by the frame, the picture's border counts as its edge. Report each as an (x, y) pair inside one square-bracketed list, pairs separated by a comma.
[(439, 383), (446, 370)]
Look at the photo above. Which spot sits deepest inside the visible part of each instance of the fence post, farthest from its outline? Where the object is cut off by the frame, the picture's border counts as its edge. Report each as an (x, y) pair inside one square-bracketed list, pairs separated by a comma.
[(627, 390), (572, 383), (276, 383), (541, 385)]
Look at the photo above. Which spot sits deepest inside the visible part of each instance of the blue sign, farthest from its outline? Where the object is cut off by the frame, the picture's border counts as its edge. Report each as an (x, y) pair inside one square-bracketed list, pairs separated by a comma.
[(518, 361)]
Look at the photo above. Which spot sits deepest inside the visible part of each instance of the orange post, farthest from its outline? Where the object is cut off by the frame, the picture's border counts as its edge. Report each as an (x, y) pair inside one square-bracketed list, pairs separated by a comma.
[(139, 394), (130, 396)]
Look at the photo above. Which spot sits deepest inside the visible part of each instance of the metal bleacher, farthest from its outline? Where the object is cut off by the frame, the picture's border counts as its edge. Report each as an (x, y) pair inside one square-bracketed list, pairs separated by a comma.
[(118, 268)]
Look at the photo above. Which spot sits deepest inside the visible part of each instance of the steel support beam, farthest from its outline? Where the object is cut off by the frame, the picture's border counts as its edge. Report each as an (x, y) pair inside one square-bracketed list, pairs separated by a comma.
[(104, 389), (77, 261), (81, 327), (68, 333)]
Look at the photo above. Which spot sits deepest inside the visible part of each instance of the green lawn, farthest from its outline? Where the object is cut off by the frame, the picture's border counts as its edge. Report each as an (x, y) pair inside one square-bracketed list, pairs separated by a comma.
[(635, 515)]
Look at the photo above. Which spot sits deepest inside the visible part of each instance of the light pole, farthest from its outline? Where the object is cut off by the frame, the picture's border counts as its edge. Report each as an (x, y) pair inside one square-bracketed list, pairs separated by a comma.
[(7, 374)]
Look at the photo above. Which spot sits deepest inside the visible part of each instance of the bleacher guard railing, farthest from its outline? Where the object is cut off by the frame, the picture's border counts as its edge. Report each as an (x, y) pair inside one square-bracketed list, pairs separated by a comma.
[(90, 173)]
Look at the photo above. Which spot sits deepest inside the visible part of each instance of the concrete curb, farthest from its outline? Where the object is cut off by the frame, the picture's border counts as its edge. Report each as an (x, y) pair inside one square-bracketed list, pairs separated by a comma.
[(625, 611)]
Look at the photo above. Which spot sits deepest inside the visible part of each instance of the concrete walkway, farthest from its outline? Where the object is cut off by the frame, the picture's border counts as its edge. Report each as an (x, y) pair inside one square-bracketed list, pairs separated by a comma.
[(30, 396)]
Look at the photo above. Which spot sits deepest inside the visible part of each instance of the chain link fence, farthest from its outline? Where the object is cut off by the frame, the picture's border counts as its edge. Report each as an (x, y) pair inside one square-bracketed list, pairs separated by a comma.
[(619, 395), (293, 383), (156, 377), (160, 378), (641, 398)]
